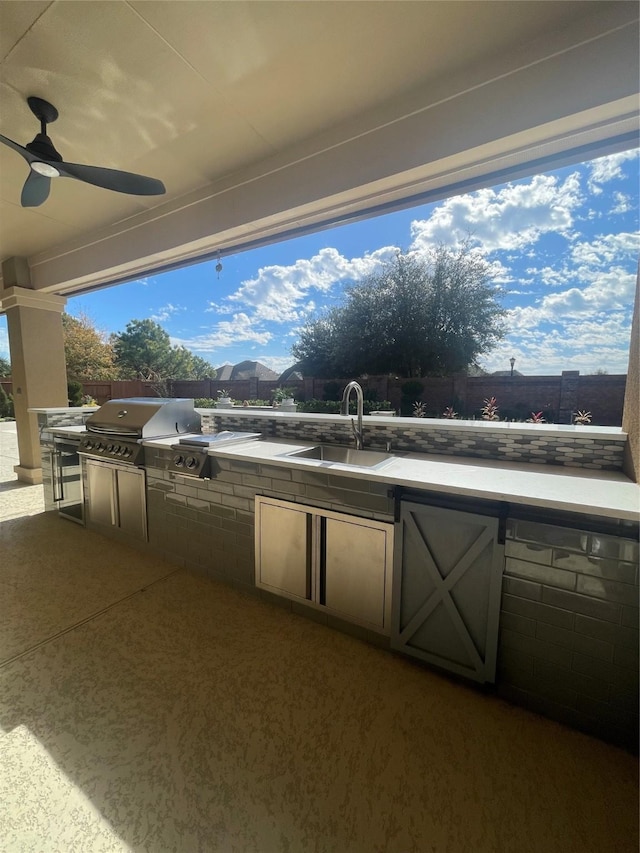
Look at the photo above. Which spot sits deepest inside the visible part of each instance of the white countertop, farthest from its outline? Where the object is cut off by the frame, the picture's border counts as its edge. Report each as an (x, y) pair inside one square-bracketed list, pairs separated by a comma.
[(64, 410), (604, 493), (76, 429)]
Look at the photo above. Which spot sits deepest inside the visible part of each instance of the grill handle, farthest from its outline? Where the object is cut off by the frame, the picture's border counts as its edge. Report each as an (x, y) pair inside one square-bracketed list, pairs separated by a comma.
[(105, 430)]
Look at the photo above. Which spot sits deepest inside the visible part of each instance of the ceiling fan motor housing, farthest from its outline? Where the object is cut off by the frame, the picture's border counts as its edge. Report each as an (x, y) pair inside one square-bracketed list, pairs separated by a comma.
[(42, 147)]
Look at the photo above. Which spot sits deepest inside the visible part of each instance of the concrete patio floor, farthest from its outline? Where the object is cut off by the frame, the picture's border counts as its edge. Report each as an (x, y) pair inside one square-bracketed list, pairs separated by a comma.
[(144, 708)]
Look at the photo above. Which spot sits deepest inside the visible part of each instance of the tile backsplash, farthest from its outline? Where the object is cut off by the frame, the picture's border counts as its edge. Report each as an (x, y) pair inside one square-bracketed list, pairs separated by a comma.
[(571, 451)]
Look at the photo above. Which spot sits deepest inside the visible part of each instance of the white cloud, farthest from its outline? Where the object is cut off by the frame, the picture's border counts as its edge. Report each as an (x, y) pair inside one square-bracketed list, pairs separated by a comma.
[(606, 249), (583, 327), (585, 345), (240, 329), (612, 290), (510, 218), (4, 337), (280, 294), (553, 276), (587, 260), (606, 169), (165, 312), (623, 203)]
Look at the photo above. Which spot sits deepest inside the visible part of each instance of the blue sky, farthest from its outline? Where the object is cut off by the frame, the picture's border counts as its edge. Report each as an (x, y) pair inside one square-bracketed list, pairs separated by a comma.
[(563, 245)]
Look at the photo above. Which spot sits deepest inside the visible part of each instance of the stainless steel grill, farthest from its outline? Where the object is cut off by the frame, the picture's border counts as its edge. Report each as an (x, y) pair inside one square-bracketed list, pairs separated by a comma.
[(117, 429)]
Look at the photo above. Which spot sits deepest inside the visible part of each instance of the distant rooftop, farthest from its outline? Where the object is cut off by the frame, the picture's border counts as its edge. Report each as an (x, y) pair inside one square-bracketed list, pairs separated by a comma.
[(245, 370)]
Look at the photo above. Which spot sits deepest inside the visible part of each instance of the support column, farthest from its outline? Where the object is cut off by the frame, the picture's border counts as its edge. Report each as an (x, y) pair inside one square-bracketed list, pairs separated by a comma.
[(631, 410), (568, 396), (36, 344)]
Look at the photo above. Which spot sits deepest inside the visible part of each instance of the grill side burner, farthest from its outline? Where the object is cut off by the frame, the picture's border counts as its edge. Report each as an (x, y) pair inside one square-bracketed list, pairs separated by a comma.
[(191, 454)]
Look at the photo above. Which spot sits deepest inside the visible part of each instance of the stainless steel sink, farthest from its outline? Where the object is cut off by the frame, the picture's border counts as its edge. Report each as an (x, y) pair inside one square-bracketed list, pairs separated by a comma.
[(332, 454)]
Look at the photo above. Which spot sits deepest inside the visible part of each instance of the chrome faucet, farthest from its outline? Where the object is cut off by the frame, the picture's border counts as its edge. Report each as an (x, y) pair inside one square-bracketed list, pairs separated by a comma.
[(357, 431)]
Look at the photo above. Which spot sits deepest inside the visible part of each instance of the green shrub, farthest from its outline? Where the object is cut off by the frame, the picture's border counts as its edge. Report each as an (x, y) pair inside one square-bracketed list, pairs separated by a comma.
[(377, 406), (331, 391), (204, 403), (6, 404), (74, 393), (332, 407), (411, 391), (320, 407)]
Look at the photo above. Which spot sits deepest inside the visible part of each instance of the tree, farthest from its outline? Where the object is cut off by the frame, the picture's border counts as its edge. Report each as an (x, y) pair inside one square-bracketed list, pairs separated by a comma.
[(416, 316), (5, 366), (87, 350), (144, 351)]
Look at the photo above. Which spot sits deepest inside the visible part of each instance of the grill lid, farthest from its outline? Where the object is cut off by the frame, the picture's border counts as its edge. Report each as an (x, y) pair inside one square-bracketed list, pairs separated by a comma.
[(144, 417)]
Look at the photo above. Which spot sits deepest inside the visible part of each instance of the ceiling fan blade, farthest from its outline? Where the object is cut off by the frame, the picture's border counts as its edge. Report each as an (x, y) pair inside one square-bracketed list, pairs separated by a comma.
[(112, 179), (28, 156), (35, 190)]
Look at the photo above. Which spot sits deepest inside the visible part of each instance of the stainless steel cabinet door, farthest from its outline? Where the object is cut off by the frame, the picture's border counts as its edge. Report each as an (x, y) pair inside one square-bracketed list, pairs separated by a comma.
[(447, 586), (132, 506), (283, 548), (101, 496), (355, 569), (329, 559)]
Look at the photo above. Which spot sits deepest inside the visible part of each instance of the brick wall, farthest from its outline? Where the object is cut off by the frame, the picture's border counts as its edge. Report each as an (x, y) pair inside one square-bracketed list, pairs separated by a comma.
[(517, 396), (568, 643)]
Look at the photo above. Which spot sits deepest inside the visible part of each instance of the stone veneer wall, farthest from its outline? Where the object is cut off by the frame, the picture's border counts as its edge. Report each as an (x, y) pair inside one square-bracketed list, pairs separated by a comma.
[(575, 451), (569, 639), (72, 417), (208, 525)]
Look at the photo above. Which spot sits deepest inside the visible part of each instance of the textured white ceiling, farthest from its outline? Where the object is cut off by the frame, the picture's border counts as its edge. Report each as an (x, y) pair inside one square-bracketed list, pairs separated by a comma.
[(191, 92)]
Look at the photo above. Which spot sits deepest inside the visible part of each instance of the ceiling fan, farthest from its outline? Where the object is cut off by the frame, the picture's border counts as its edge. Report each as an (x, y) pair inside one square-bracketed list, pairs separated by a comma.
[(46, 163)]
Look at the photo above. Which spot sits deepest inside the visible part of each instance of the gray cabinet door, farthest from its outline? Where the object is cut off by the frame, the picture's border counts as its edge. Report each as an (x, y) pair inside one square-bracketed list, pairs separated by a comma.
[(447, 585)]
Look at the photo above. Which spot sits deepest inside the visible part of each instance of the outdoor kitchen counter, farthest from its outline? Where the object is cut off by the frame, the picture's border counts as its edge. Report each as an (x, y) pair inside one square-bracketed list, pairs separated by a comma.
[(602, 493), (67, 431)]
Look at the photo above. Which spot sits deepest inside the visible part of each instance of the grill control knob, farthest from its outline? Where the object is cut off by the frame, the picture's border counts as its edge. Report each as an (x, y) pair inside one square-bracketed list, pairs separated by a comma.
[(191, 462), (120, 449), (178, 460), (99, 446), (126, 452), (88, 444), (111, 448)]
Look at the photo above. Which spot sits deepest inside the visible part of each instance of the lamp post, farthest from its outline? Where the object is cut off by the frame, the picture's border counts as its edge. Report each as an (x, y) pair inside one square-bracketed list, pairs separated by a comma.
[(512, 361)]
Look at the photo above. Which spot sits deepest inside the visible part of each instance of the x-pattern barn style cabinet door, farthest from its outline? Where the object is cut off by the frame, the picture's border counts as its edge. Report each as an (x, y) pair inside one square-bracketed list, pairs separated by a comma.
[(446, 589)]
